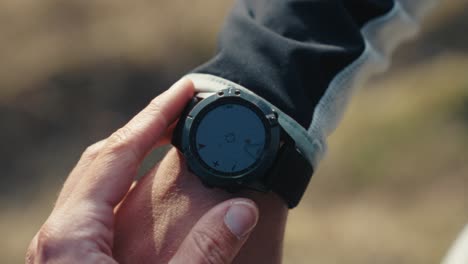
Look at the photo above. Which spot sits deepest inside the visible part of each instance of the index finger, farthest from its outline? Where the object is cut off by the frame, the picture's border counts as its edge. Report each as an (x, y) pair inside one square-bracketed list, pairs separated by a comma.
[(112, 172)]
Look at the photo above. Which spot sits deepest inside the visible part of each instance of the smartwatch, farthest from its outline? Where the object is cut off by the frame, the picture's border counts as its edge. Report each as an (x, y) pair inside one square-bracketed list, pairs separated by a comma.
[(232, 139)]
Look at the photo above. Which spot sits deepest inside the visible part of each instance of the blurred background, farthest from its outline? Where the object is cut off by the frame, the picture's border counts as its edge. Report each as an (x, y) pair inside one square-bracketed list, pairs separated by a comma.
[(392, 189)]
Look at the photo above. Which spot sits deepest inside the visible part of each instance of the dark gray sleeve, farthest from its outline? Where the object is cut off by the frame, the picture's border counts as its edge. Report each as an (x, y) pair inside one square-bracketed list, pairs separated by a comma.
[(307, 56)]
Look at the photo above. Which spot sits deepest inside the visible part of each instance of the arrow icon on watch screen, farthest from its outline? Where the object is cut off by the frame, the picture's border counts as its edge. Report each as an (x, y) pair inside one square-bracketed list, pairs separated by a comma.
[(201, 146)]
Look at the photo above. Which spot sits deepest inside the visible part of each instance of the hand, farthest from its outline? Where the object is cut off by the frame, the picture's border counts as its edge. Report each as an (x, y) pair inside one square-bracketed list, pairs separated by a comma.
[(167, 202), (80, 228), (161, 209)]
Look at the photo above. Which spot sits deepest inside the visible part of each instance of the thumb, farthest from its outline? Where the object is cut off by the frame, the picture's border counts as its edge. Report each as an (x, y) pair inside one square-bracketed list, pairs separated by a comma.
[(219, 234)]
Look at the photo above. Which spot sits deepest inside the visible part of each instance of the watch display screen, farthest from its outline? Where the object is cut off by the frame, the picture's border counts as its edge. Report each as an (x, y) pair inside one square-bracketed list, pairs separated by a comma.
[(230, 138)]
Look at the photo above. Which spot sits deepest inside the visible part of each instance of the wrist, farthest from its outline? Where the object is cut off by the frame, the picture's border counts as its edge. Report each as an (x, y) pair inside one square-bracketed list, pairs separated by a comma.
[(170, 200), (269, 231), (234, 139)]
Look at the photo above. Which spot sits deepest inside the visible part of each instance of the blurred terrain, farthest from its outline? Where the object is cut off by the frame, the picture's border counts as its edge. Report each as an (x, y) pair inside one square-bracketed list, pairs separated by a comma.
[(392, 189)]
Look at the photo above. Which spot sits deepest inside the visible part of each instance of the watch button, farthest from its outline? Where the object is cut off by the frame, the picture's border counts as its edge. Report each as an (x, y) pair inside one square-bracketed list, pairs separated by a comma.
[(272, 119)]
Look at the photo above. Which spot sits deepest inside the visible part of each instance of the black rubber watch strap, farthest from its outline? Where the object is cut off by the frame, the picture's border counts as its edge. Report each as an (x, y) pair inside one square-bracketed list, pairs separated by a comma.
[(290, 175)]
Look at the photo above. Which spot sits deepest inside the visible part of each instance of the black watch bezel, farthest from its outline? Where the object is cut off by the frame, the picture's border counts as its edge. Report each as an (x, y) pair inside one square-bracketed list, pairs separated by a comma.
[(215, 178)]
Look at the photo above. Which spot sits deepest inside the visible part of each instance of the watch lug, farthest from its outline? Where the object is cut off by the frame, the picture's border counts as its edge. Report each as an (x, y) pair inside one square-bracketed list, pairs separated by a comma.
[(258, 186)]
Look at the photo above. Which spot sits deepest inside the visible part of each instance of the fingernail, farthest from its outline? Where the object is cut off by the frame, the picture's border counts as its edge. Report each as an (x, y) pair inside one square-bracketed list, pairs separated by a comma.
[(241, 218)]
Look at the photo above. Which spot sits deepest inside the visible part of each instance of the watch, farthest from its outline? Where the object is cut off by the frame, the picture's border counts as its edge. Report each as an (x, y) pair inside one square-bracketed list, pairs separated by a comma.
[(232, 139)]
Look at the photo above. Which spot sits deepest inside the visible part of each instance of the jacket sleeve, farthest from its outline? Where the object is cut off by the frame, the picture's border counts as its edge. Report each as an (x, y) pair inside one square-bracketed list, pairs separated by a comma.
[(307, 57)]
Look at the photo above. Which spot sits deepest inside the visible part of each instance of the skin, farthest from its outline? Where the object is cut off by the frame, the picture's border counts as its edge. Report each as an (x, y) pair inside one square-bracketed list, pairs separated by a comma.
[(159, 212), (166, 217)]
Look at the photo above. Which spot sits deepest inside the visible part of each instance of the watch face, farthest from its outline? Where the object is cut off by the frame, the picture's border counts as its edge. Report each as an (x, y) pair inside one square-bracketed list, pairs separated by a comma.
[(230, 138)]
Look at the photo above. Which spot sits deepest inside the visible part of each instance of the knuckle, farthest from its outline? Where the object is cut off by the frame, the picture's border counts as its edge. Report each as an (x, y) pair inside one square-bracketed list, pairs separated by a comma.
[(120, 139), (121, 142), (91, 151), (42, 246), (156, 108), (155, 105), (209, 247), (121, 146)]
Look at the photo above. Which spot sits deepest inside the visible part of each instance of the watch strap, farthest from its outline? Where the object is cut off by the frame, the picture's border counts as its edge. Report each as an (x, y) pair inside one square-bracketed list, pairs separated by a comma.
[(290, 175)]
